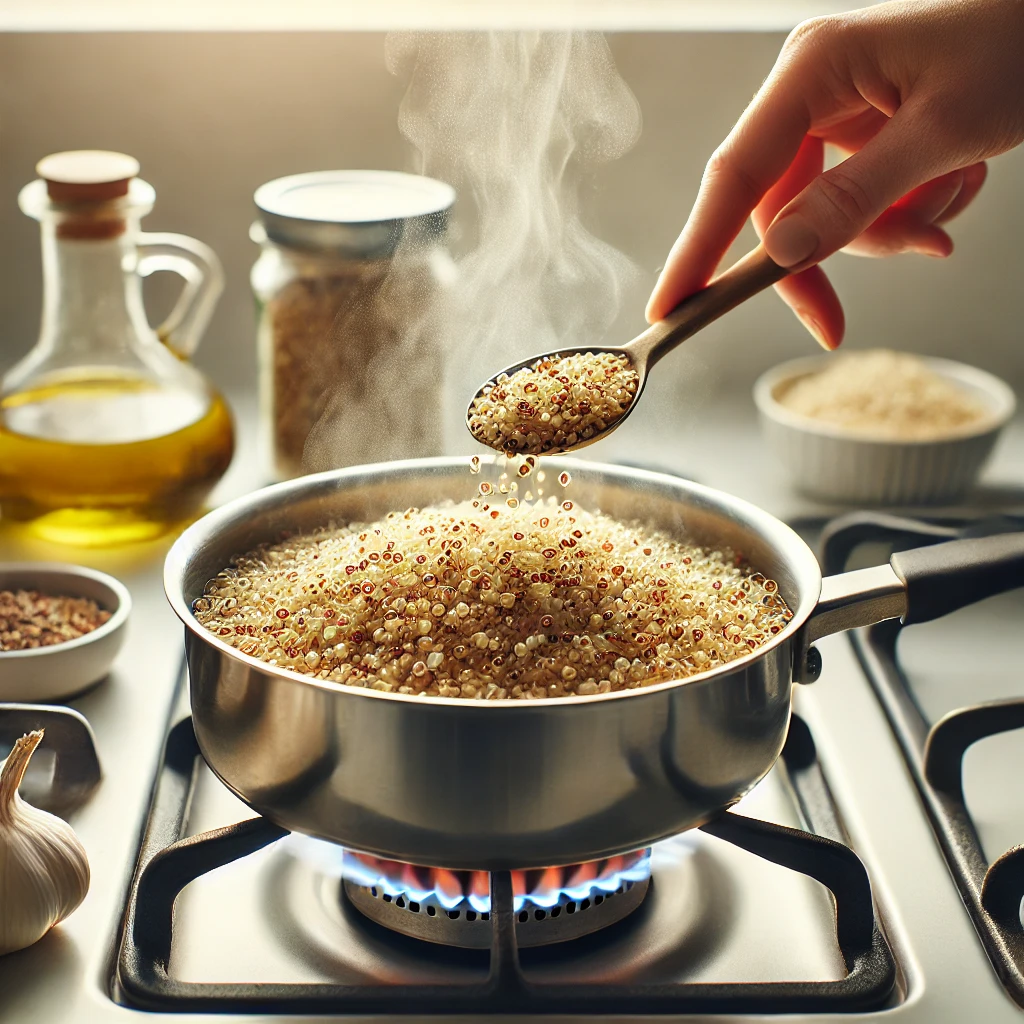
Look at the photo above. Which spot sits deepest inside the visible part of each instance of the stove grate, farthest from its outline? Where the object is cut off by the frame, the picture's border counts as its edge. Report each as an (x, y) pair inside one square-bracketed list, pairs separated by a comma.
[(167, 863), (934, 752)]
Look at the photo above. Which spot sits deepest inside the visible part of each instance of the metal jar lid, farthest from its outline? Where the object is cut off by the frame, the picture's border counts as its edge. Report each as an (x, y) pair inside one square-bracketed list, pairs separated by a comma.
[(360, 214)]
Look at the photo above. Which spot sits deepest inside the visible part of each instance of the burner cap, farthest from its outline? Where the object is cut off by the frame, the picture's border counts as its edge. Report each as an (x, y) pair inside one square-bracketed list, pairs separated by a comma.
[(470, 929), (453, 907)]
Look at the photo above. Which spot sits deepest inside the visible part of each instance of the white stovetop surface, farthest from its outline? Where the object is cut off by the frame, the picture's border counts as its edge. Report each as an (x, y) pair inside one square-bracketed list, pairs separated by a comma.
[(64, 978)]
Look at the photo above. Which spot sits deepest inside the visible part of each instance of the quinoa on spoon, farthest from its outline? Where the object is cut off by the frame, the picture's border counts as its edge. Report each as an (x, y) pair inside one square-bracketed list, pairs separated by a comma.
[(564, 400)]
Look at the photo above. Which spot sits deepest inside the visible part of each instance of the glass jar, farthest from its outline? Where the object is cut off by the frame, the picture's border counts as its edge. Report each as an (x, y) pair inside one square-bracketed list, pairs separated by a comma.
[(107, 433), (349, 283)]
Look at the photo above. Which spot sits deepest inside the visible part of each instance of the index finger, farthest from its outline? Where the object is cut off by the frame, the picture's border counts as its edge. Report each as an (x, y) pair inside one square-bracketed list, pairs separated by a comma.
[(750, 160)]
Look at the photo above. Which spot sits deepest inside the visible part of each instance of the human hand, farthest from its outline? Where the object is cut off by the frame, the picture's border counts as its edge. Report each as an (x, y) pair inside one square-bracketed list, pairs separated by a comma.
[(920, 93)]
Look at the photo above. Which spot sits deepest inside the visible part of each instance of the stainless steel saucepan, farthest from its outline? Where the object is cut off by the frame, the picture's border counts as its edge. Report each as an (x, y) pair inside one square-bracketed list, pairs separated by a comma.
[(518, 784)]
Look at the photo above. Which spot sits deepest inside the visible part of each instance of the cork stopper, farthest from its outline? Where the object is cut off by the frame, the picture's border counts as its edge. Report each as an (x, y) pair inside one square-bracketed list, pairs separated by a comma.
[(87, 175)]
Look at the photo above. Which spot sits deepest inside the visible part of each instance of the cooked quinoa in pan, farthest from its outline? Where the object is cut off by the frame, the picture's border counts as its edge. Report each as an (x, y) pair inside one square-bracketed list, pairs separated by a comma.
[(483, 600)]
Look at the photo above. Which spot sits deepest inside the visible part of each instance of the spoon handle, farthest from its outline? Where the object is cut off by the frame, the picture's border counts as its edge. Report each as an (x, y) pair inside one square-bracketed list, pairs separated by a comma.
[(745, 278)]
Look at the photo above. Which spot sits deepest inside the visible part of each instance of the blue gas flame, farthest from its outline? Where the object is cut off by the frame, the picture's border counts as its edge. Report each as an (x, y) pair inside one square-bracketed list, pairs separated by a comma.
[(329, 859), (362, 874)]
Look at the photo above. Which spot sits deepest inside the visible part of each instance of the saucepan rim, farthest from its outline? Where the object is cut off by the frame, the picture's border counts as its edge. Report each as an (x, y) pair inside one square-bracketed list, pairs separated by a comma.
[(775, 532)]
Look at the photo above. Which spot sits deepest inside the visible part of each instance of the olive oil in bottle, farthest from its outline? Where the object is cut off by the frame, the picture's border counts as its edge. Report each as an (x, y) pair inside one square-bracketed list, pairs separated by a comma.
[(109, 459)]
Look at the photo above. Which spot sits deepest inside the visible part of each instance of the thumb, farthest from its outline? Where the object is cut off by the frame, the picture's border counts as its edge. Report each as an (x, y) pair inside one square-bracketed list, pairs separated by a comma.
[(844, 201)]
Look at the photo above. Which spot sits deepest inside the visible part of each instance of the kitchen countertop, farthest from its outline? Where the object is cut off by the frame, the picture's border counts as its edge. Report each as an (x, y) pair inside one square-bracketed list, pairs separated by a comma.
[(64, 977), (728, 453)]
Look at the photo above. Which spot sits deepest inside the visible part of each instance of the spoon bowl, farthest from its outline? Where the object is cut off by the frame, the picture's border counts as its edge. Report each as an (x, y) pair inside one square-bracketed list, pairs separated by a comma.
[(750, 275), (552, 448)]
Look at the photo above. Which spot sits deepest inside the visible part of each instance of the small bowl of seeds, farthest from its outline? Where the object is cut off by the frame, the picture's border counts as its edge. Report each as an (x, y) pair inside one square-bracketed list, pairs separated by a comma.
[(61, 627)]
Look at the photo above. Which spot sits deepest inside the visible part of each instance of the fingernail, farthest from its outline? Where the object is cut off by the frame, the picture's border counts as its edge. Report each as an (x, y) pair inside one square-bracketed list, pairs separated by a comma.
[(791, 240), (814, 327)]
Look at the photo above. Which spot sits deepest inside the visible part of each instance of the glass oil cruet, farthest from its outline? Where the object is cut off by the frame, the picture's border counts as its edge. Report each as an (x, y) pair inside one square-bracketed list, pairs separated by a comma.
[(107, 433)]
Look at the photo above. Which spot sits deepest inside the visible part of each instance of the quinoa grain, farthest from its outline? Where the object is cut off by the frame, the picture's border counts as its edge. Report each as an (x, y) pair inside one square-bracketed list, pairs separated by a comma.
[(555, 403), (619, 607), (29, 619), (884, 394)]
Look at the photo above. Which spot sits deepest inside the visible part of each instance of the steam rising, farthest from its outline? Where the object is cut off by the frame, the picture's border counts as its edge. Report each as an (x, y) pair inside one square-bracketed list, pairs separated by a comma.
[(513, 121)]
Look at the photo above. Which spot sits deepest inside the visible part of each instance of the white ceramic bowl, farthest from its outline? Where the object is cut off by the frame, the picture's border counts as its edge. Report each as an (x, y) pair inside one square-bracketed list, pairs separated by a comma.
[(834, 464), (58, 671)]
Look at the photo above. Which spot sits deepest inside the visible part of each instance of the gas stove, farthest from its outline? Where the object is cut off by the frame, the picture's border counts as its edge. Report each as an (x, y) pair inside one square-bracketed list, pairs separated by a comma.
[(643, 934), (854, 882)]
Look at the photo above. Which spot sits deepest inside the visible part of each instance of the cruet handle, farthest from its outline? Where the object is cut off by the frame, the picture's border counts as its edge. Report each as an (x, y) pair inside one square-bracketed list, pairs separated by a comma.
[(198, 265)]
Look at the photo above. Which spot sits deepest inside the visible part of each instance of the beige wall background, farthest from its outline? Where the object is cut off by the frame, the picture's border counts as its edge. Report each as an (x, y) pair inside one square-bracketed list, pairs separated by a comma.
[(211, 116)]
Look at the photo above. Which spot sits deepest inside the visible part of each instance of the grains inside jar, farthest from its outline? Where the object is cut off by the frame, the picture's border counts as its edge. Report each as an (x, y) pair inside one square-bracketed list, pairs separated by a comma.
[(554, 403), (331, 339), (305, 357), (29, 619), (484, 601)]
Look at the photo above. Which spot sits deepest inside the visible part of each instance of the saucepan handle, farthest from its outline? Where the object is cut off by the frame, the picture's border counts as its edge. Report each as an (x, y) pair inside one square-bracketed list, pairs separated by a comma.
[(916, 586), (944, 577)]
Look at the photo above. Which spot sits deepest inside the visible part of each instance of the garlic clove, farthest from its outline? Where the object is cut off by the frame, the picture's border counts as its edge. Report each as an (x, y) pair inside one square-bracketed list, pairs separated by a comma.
[(44, 871)]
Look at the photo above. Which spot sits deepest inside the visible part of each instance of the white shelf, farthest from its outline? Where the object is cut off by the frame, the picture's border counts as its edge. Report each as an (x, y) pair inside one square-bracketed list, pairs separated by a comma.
[(357, 15)]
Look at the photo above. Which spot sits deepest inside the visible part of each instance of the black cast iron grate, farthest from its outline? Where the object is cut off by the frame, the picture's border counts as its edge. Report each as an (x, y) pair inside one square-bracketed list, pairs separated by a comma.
[(934, 752), (167, 863)]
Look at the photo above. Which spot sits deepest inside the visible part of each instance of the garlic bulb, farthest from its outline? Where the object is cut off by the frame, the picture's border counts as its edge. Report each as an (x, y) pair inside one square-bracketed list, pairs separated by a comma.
[(44, 873)]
